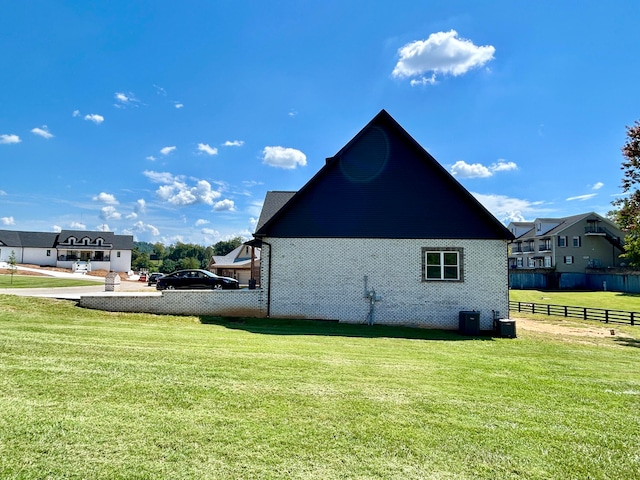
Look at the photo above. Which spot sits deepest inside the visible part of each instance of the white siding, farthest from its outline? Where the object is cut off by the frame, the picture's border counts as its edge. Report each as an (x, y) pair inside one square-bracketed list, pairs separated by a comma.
[(122, 264), (38, 256), (324, 279)]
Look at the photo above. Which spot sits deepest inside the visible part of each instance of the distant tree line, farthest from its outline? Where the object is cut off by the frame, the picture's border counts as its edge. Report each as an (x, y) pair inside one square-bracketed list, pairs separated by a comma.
[(165, 259)]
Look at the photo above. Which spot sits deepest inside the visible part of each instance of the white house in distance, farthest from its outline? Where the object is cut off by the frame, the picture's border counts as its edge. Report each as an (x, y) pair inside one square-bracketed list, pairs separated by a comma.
[(237, 264), (68, 249), (382, 232)]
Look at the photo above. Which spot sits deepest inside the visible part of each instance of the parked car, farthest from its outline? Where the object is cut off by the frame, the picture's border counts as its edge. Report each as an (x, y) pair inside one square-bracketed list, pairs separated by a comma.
[(153, 278), (195, 279)]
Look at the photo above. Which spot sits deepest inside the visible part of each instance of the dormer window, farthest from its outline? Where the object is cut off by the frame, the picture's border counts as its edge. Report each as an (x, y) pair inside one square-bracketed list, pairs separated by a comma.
[(99, 241), (85, 241), (72, 241)]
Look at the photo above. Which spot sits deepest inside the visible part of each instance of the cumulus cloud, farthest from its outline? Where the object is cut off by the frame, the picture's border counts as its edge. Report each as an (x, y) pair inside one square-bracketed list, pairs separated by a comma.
[(462, 169), (210, 232), (131, 216), (56, 228), (42, 131), (76, 113), (181, 194), (7, 220), (205, 148), (225, 205), (443, 53), (105, 198), (509, 209), (200, 222), (233, 143), (597, 186), (77, 226), (281, 157), (151, 158), (95, 118), (110, 213), (141, 227), (582, 198), (167, 150), (178, 105), (10, 138), (140, 206)]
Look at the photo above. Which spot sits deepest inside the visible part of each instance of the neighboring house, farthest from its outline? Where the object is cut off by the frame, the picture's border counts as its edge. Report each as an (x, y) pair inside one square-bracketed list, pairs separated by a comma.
[(69, 249), (237, 264), (566, 245), (383, 234)]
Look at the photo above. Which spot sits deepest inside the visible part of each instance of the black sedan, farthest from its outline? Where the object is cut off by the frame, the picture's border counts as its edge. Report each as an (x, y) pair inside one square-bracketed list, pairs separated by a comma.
[(195, 279)]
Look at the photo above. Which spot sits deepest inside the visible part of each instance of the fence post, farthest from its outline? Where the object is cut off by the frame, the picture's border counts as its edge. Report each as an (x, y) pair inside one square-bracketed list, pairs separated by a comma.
[(632, 319), (548, 310), (606, 316), (565, 311)]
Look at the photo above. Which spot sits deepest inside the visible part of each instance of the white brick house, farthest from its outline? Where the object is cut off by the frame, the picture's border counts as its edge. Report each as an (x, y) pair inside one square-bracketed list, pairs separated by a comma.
[(382, 233), (66, 249)]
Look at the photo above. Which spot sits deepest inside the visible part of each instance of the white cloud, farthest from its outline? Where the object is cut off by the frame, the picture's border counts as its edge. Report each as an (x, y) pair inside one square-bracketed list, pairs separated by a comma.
[(76, 113), (502, 166), (201, 221), (203, 147), (180, 194), (178, 105), (107, 198), (210, 232), (151, 158), (443, 53), (42, 131), (508, 209), (225, 205), (109, 213), (103, 227), (582, 198), (167, 150), (125, 99), (77, 226), (11, 138), (281, 157), (145, 227), (7, 220), (2, 192), (140, 206), (95, 118), (56, 228), (597, 186), (233, 143), (463, 169), (131, 216), (159, 177)]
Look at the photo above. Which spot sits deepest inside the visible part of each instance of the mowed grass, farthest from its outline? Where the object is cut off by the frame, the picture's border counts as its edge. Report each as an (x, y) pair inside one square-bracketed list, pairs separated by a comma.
[(89, 394), (606, 300), (33, 281)]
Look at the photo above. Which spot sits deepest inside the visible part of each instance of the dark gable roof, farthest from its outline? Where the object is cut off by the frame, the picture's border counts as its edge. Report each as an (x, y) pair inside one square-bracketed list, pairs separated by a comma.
[(11, 238), (382, 184)]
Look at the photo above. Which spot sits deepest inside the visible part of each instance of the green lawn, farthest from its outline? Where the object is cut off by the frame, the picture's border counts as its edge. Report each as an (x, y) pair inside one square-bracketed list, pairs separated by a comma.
[(90, 394), (608, 300), (33, 281)]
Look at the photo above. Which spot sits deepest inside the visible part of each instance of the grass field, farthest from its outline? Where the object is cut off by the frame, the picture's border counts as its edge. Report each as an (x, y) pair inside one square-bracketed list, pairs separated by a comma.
[(608, 300), (31, 281), (90, 394)]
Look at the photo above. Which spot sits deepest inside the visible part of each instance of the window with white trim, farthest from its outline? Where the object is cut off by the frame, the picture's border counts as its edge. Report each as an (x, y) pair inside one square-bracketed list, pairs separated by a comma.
[(519, 262), (568, 259), (442, 264), (48, 253), (531, 263), (547, 262), (562, 241), (577, 242), (118, 254)]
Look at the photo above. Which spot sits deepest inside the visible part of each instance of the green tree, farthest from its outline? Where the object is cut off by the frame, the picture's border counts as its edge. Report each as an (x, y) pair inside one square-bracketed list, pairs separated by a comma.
[(627, 214), (141, 262), (189, 262), (226, 246), (168, 266), (12, 262)]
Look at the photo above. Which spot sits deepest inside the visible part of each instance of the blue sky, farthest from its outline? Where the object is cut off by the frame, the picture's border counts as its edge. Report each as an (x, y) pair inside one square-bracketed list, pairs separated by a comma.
[(171, 120)]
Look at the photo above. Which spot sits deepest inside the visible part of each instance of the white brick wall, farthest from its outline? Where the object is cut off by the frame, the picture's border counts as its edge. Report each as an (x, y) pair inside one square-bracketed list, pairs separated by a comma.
[(324, 279), (233, 303)]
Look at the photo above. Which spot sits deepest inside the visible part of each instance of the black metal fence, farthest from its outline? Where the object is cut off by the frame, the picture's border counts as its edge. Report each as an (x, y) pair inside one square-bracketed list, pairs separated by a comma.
[(585, 313)]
